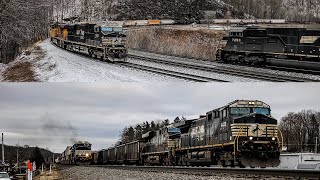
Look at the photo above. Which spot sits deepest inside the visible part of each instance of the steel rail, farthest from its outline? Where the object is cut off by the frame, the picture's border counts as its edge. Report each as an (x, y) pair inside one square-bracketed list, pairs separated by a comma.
[(180, 75), (226, 70)]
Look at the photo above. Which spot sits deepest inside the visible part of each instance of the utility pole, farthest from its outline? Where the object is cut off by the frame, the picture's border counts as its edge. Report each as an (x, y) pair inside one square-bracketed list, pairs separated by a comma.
[(316, 148), (2, 150), (53, 157), (18, 155)]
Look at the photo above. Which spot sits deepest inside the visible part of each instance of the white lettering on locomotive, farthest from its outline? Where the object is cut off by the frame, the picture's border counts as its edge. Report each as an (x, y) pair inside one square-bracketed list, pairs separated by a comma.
[(238, 40)]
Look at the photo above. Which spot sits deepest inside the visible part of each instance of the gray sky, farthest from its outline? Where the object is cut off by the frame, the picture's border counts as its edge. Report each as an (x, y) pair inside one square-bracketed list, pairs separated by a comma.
[(53, 115)]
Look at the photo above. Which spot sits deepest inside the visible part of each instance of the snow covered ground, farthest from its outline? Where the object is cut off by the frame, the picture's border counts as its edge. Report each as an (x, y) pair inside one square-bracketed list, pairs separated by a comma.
[(63, 66), (52, 64)]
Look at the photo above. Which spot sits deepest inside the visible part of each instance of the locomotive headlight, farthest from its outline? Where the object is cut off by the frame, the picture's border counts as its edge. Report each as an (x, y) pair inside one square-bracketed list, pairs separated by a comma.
[(273, 139), (87, 155), (251, 138)]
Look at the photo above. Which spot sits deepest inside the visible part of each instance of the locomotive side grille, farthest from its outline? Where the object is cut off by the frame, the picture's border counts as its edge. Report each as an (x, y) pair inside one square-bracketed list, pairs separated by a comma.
[(254, 130), (113, 41)]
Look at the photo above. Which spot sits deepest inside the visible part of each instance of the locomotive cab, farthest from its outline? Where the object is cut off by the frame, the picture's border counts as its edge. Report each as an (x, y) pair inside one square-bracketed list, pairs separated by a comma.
[(113, 39), (81, 153)]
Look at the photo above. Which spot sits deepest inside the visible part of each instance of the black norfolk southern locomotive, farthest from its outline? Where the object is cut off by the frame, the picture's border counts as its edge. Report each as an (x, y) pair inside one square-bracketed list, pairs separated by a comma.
[(287, 47), (241, 133), (78, 154), (105, 41)]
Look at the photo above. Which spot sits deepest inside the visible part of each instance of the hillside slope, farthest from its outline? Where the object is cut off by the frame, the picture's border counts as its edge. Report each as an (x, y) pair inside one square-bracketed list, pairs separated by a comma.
[(294, 10), (10, 154)]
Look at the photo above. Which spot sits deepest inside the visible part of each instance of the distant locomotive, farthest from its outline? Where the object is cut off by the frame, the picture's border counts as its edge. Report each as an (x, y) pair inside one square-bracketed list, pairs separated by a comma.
[(287, 47), (105, 41), (241, 133), (79, 153)]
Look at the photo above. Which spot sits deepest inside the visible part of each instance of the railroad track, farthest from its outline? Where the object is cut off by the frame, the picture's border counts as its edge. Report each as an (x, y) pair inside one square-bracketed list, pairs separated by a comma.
[(303, 71), (227, 70), (207, 171), (278, 68), (180, 75)]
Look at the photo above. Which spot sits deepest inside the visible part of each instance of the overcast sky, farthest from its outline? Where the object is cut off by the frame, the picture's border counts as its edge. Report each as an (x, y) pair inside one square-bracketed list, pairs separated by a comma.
[(53, 115)]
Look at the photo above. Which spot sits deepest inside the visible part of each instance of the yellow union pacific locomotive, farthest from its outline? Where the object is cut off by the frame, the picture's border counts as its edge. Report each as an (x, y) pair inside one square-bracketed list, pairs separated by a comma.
[(105, 41)]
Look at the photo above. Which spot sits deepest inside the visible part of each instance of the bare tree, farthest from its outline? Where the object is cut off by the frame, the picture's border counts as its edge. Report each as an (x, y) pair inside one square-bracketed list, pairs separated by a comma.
[(300, 130)]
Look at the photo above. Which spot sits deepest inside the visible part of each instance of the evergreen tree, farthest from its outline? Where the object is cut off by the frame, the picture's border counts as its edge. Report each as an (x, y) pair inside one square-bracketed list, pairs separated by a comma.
[(138, 132), (36, 156)]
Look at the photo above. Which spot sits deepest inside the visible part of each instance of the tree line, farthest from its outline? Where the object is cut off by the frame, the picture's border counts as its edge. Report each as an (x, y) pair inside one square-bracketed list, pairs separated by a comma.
[(301, 130), (21, 24), (133, 133), (292, 10)]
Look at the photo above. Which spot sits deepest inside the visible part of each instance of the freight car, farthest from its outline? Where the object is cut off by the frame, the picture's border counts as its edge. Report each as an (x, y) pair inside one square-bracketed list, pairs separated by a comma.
[(105, 41), (249, 21), (241, 133), (133, 23), (129, 153), (79, 153), (286, 47)]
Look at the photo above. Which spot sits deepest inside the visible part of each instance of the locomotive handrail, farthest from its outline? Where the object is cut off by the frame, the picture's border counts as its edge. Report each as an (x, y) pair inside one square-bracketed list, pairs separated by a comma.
[(236, 140), (277, 35)]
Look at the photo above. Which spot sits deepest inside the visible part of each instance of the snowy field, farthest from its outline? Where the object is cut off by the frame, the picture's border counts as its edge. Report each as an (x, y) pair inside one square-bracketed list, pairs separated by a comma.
[(63, 66)]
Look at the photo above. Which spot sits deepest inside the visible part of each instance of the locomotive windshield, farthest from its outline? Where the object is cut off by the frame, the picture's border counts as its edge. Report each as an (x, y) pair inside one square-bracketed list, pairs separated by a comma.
[(264, 111), (107, 30), (83, 148), (244, 111)]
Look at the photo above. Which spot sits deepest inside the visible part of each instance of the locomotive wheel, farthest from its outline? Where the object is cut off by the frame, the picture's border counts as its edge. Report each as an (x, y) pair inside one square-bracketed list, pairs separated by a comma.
[(218, 56), (91, 52), (223, 163), (232, 163)]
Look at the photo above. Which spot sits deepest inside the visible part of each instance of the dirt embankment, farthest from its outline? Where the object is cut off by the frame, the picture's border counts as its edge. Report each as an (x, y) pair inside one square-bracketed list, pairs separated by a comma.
[(198, 44), (22, 70)]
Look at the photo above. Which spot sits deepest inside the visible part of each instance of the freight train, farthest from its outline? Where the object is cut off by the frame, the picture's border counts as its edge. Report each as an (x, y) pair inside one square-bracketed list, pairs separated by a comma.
[(105, 41), (242, 133), (297, 48), (151, 22), (78, 154)]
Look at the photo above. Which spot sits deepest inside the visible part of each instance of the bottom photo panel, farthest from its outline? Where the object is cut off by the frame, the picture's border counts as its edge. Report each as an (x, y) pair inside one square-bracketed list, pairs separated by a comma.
[(164, 131)]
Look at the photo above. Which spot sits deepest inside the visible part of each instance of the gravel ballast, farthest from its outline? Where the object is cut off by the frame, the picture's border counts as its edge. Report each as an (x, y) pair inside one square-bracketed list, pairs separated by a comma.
[(100, 173)]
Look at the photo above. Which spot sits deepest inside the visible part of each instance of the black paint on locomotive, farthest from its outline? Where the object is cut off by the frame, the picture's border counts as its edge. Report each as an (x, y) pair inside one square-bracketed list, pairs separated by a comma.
[(289, 47), (226, 136)]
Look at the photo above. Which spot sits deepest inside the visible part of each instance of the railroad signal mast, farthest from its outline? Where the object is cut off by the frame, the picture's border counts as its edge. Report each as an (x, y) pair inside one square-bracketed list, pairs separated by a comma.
[(2, 150)]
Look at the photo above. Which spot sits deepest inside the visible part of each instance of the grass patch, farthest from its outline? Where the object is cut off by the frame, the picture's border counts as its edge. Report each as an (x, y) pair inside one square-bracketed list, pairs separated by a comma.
[(198, 44), (20, 72)]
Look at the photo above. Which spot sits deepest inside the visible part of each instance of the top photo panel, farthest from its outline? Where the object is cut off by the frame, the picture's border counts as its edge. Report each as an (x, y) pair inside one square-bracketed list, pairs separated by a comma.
[(160, 41)]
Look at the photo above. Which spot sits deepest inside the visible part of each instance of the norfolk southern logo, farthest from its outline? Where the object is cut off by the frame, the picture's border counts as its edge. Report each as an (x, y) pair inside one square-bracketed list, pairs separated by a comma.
[(256, 129)]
